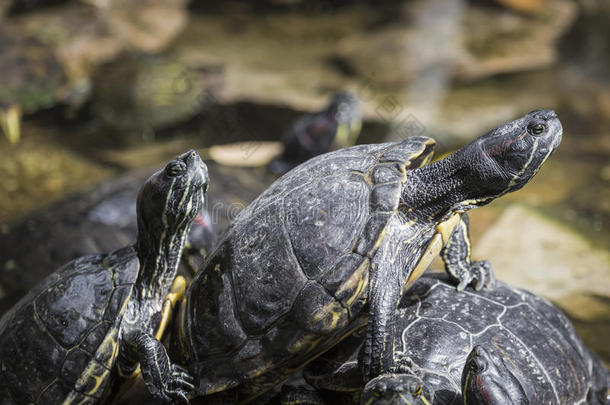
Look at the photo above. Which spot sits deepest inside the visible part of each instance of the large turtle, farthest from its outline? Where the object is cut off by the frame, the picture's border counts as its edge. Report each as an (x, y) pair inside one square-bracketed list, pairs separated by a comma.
[(88, 326), (340, 236), (496, 346)]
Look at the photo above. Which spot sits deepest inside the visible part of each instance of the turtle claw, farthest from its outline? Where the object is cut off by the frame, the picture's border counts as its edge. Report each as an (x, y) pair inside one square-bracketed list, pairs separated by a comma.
[(182, 376), (480, 273), (483, 274), (180, 385)]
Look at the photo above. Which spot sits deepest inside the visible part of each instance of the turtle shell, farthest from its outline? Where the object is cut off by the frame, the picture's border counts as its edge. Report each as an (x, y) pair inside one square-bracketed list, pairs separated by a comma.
[(31, 77), (290, 276), (68, 340), (103, 219), (440, 326)]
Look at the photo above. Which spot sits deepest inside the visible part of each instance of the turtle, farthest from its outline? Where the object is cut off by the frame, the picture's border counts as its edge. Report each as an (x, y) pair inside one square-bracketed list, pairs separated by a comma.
[(91, 325), (100, 219), (336, 126), (338, 237), (495, 346), (31, 79), (103, 218), (139, 94)]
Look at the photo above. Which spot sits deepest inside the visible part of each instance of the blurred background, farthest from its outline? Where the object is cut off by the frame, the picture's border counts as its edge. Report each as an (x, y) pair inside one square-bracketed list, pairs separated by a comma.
[(92, 90)]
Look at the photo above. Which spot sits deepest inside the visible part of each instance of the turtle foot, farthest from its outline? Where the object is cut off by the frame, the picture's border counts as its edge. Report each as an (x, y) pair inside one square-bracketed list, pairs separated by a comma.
[(179, 385), (480, 273)]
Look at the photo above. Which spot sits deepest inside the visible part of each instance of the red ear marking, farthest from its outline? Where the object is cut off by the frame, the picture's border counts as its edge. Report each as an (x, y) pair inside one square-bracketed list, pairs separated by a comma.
[(200, 221), (484, 393), (496, 150)]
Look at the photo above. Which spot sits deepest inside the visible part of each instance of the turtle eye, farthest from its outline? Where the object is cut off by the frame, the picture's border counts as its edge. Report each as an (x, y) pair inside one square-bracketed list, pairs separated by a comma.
[(175, 168), (536, 129)]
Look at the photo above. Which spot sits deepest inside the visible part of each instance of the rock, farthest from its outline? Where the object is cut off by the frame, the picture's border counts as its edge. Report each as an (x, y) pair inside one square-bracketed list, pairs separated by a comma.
[(499, 41), (403, 68), (526, 6), (533, 252), (145, 25), (245, 154), (472, 42), (37, 171)]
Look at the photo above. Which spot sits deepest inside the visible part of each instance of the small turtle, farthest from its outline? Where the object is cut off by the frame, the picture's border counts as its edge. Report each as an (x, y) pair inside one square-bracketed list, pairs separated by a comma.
[(139, 94), (343, 235), (499, 346), (335, 127), (103, 219), (31, 79), (88, 326)]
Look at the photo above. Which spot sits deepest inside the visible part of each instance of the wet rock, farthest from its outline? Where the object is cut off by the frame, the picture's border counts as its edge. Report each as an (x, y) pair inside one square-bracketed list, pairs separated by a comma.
[(145, 25), (403, 69), (526, 6), (498, 41), (36, 172), (475, 41)]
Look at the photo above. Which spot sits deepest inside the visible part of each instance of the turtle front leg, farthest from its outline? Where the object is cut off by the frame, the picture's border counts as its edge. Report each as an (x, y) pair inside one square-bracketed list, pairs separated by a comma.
[(165, 380), (458, 263)]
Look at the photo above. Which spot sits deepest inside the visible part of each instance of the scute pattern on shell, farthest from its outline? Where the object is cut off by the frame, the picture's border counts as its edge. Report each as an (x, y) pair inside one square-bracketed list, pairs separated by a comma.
[(440, 327), (77, 331), (291, 275)]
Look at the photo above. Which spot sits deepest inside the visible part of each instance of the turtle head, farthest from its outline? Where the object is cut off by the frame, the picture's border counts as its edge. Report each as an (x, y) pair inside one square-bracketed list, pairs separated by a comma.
[(487, 381), (167, 204), (344, 103), (507, 157), (395, 389)]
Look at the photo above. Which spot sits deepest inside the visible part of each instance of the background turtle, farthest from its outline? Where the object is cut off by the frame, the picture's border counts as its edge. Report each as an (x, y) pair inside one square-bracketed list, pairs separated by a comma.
[(498, 346), (90, 324), (103, 218), (344, 231), (31, 79), (335, 127), (139, 94)]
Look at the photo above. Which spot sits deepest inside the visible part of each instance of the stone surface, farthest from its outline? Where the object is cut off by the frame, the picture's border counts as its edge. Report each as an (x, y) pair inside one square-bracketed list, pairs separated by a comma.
[(38, 171), (533, 252)]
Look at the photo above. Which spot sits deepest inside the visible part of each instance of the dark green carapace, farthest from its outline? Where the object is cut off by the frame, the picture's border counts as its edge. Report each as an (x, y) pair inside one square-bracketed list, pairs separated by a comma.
[(494, 347), (331, 246), (85, 328)]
